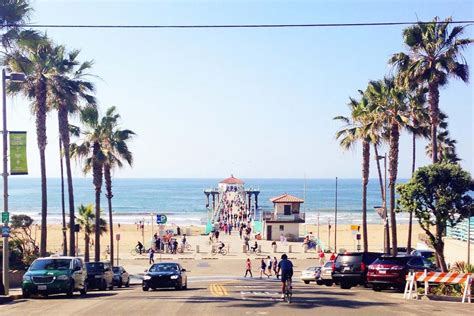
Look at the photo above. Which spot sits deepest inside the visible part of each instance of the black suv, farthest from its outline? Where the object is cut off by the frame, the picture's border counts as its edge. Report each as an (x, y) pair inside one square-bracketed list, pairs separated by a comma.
[(99, 276), (350, 269)]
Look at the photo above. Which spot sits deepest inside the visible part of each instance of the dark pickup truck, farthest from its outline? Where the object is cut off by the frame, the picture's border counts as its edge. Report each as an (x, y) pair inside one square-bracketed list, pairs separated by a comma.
[(350, 269)]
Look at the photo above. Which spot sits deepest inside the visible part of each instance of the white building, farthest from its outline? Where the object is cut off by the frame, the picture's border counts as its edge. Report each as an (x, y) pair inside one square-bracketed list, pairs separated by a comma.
[(285, 219)]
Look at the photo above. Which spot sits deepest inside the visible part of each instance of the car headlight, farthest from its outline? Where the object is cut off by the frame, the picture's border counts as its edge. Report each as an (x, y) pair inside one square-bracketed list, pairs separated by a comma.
[(174, 277), (27, 278), (62, 277), (146, 277)]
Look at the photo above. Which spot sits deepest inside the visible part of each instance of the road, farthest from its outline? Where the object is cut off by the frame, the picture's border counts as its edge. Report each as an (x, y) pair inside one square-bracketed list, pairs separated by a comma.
[(234, 296)]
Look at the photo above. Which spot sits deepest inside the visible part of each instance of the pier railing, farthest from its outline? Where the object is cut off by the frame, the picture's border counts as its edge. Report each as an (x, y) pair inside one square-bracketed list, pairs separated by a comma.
[(271, 216)]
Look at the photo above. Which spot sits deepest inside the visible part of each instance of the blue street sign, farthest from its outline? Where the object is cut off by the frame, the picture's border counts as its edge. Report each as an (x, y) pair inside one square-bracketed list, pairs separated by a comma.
[(5, 231), (161, 218)]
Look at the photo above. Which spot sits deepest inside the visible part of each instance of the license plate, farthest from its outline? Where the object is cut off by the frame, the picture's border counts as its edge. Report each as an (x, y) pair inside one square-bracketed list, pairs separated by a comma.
[(346, 269), (382, 272), (97, 276), (42, 287)]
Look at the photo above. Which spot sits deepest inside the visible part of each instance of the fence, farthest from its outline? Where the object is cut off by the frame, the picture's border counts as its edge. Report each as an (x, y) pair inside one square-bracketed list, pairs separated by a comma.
[(460, 230)]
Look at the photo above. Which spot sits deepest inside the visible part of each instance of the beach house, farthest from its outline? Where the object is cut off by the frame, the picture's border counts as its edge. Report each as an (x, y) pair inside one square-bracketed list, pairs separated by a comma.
[(284, 219)]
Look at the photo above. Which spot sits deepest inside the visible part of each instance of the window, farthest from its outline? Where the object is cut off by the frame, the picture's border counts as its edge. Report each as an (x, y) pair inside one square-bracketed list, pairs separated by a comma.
[(287, 209), (282, 228)]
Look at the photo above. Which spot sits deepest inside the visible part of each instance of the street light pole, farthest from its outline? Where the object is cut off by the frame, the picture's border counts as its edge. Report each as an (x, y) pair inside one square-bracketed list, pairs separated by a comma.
[(335, 221)]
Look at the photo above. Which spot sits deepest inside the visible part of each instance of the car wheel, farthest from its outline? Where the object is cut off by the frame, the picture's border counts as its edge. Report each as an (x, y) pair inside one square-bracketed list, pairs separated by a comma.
[(319, 282), (111, 287), (128, 283), (376, 288), (145, 288), (70, 291), (120, 283), (329, 283), (306, 282), (84, 290), (185, 286), (103, 286), (345, 286), (25, 294), (178, 287)]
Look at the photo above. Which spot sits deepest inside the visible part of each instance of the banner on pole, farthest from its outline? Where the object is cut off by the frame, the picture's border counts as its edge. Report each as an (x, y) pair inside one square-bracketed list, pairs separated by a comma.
[(18, 162)]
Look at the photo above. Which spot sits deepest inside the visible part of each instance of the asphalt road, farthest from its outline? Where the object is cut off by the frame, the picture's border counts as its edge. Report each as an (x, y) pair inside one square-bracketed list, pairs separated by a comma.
[(234, 296)]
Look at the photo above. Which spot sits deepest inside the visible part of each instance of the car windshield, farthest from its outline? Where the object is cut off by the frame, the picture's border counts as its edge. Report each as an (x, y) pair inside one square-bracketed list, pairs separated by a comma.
[(51, 264), (164, 267), (349, 258), (116, 269), (392, 260), (95, 266), (311, 269)]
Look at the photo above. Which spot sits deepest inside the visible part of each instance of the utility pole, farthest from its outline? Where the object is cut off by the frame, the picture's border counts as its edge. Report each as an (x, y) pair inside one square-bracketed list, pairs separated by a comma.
[(335, 221), (469, 239)]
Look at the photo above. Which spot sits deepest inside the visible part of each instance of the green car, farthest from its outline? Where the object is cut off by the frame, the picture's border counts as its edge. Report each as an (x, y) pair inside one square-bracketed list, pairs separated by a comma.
[(53, 275)]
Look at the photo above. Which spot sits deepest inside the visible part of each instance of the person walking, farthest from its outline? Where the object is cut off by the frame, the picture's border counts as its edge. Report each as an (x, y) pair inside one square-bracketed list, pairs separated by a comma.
[(269, 265), (151, 255), (322, 258), (263, 267), (333, 257), (275, 266), (248, 268)]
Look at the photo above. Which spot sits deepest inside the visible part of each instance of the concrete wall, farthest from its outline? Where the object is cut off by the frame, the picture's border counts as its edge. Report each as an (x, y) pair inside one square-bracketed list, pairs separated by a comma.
[(291, 230)]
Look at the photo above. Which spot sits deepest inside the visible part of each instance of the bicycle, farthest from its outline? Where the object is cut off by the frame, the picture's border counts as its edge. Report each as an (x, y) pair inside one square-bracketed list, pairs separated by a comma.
[(135, 251), (215, 251), (288, 291), (255, 251)]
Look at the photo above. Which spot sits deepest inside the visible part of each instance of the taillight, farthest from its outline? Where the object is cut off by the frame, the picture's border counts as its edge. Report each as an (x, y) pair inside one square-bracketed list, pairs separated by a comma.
[(333, 267), (362, 266), (371, 267), (398, 268)]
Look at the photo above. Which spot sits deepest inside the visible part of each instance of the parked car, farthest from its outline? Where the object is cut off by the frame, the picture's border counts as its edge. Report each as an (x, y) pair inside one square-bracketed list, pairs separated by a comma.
[(389, 271), (163, 275), (350, 269), (99, 276), (427, 254), (310, 275), (121, 277), (401, 251), (55, 275), (326, 275)]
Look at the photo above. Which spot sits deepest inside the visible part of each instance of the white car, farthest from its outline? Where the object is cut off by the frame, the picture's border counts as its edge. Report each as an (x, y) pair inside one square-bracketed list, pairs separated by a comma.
[(311, 274), (326, 275)]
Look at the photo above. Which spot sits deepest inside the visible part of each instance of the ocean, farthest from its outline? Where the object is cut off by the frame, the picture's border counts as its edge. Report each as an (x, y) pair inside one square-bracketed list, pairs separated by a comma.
[(184, 202)]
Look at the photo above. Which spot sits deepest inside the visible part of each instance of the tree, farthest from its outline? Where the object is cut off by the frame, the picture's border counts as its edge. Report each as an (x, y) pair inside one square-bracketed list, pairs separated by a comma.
[(87, 220), (355, 131), (89, 150), (13, 14), (434, 55), (446, 148), (388, 105), (116, 153), (23, 237), (438, 195)]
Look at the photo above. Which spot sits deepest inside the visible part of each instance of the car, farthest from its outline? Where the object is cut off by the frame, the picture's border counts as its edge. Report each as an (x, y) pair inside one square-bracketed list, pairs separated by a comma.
[(350, 268), (121, 277), (326, 275), (165, 275), (401, 251), (311, 274), (425, 253), (99, 276), (54, 275), (390, 272)]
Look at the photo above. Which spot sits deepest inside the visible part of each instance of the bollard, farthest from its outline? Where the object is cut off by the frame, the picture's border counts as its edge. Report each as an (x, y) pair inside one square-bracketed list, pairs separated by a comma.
[(260, 248), (289, 249), (305, 248), (274, 248), (244, 249), (197, 248)]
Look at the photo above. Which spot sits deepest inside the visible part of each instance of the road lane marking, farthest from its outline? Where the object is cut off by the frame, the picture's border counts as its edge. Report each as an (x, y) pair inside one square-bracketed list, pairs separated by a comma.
[(218, 290)]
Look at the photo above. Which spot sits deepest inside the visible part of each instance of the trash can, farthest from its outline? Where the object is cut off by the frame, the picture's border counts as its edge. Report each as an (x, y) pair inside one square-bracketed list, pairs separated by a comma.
[(274, 248), (197, 248), (244, 249), (289, 249), (305, 248), (260, 248)]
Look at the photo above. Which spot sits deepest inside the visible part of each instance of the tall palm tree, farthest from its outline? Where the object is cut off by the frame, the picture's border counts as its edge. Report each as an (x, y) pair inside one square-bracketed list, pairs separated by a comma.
[(389, 107), (446, 148), (71, 87), (13, 14), (63, 207), (117, 152), (36, 61), (90, 150), (87, 221), (434, 55), (354, 131)]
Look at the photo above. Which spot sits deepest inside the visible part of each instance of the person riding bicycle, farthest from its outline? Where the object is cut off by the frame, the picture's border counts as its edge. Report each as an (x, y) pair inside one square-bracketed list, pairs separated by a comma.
[(255, 247), (286, 268), (139, 247), (221, 246)]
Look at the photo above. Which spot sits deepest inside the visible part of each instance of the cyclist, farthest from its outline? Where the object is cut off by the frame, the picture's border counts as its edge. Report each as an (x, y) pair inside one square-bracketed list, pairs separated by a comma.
[(221, 246), (286, 268), (139, 247)]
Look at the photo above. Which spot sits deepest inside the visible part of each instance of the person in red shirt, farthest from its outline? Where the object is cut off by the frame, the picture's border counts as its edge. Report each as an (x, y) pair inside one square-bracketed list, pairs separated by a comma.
[(248, 268), (333, 257)]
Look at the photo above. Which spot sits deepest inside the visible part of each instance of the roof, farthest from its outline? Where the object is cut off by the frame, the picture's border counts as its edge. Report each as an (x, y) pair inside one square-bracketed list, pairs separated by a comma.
[(232, 180), (286, 198)]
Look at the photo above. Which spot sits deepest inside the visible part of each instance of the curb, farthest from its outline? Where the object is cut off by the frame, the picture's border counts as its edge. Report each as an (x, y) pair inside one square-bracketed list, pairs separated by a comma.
[(10, 298)]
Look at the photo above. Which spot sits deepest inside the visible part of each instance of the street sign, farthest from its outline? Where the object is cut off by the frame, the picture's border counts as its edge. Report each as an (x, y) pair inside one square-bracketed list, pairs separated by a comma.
[(161, 219), (117, 237), (5, 231), (5, 217)]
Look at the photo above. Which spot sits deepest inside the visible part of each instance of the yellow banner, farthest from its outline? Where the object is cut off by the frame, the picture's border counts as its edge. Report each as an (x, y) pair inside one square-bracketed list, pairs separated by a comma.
[(18, 162)]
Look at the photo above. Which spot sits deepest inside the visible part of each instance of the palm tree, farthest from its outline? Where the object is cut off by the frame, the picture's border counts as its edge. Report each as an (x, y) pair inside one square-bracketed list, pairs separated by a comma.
[(116, 150), (63, 208), (36, 61), (435, 54), (354, 131), (388, 106), (90, 150), (87, 221), (446, 148), (13, 14), (70, 88)]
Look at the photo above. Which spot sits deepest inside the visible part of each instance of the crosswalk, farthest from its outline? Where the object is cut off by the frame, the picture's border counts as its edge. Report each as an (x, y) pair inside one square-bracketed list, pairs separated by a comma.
[(245, 291)]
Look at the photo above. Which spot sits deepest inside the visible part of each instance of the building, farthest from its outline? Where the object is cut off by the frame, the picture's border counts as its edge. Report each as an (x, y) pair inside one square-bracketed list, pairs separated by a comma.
[(285, 219)]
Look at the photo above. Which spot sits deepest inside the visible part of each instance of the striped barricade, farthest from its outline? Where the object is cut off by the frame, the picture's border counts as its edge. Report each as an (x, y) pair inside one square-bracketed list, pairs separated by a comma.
[(413, 278)]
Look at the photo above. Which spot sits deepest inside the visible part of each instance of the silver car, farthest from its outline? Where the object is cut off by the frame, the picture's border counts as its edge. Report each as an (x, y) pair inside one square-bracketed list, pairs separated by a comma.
[(310, 275), (326, 275)]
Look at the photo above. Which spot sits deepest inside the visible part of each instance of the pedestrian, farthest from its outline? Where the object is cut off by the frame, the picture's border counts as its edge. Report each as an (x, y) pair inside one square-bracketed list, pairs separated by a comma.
[(151, 254), (333, 257), (178, 230), (322, 258), (217, 235), (241, 229), (230, 229), (269, 265), (275, 266), (263, 267)]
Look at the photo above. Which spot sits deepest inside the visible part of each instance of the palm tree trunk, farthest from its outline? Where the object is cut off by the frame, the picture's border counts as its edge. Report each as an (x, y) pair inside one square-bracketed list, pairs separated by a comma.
[(433, 91), (393, 170), (64, 132), (98, 173), (86, 250), (42, 140), (384, 203), (410, 218), (365, 181), (63, 210), (108, 186)]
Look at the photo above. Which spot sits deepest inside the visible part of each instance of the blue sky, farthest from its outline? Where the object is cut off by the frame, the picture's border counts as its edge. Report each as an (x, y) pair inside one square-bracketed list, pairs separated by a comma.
[(253, 102)]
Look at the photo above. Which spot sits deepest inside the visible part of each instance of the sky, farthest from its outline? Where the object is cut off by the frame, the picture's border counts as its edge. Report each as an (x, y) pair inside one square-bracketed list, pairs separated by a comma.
[(257, 103)]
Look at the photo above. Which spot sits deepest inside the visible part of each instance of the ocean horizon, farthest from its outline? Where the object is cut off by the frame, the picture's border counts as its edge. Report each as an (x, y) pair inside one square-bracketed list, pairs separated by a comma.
[(183, 200)]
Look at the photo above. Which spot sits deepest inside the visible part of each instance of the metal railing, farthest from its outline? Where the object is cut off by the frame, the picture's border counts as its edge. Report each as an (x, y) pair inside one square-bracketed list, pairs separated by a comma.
[(271, 216)]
